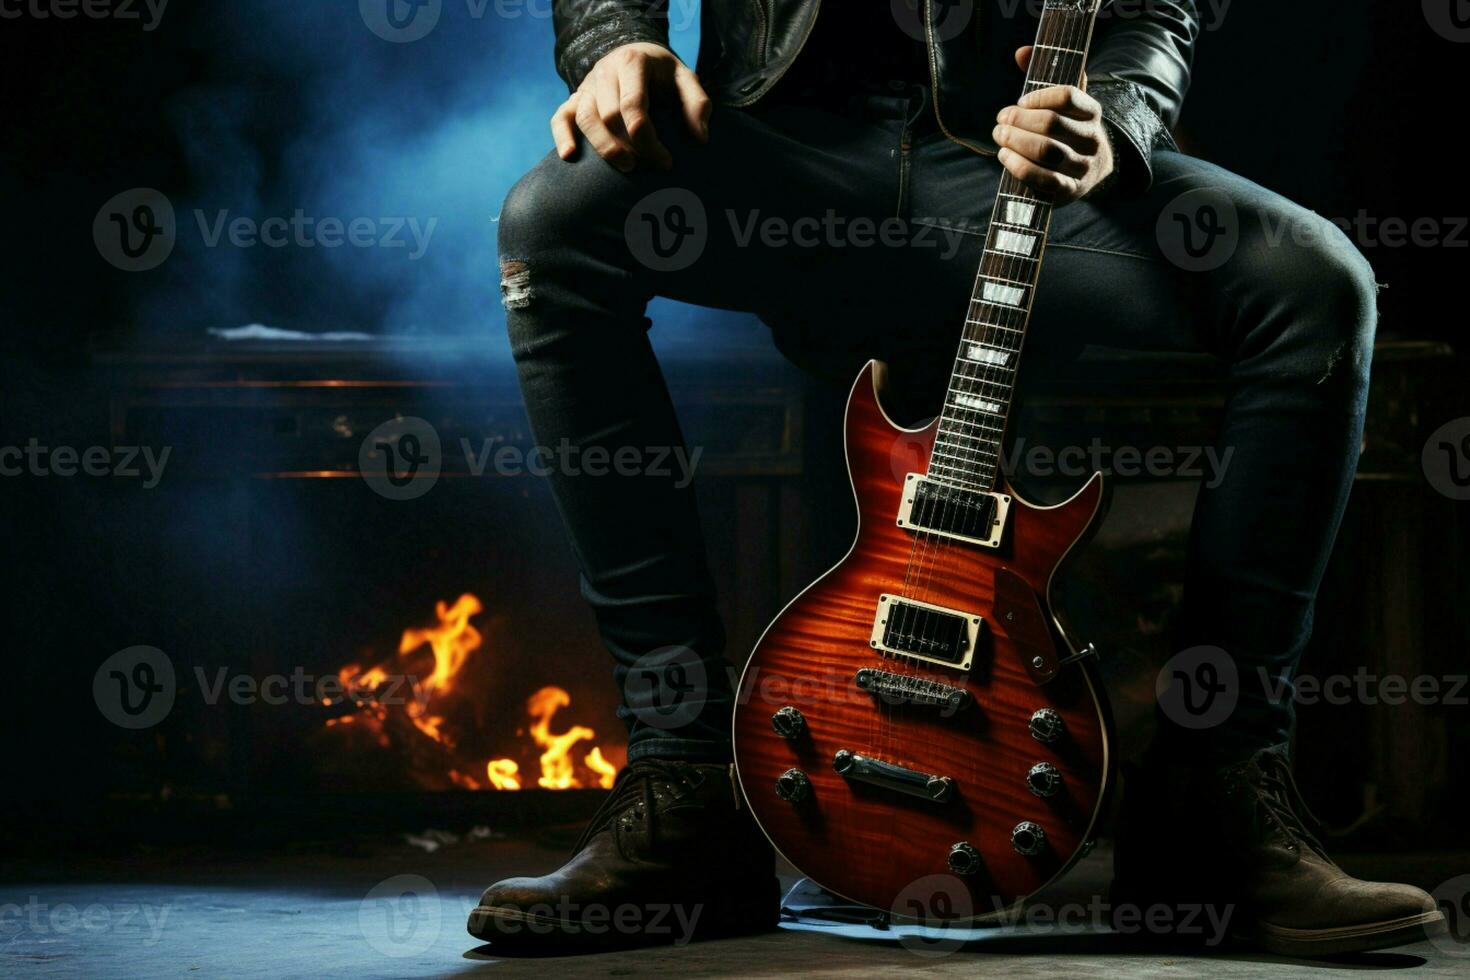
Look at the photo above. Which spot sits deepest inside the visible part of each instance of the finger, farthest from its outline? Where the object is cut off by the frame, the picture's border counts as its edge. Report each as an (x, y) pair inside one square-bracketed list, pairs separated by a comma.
[(637, 123), (592, 119), (1042, 150), (562, 132), (694, 101), (1079, 136), (1058, 188), (1068, 100), (1083, 86), (1023, 56)]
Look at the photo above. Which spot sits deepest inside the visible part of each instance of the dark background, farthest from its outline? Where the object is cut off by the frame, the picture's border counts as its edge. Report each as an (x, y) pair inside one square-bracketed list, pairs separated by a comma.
[(262, 107)]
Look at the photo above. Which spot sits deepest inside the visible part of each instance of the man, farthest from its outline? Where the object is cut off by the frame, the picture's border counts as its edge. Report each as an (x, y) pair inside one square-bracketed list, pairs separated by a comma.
[(871, 110)]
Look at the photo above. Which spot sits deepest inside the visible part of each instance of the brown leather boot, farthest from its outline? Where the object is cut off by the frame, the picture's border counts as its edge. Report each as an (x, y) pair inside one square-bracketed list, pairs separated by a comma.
[(1262, 877), (1294, 900), (670, 856)]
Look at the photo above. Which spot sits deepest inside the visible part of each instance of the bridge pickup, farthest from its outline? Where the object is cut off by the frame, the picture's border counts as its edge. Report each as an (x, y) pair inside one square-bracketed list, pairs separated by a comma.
[(860, 768), (907, 689), (925, 631), (953, 512)]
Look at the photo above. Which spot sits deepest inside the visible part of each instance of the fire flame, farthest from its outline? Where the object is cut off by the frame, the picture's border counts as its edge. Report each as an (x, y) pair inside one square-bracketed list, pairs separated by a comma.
[(557, 771), (453, 641)]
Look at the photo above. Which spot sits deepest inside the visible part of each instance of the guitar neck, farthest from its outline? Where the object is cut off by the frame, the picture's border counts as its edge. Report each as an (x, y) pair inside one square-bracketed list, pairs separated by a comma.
[(967, 448)]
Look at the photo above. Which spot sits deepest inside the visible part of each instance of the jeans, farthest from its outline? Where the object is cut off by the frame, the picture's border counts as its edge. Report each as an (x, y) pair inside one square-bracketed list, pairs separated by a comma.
[(783, 214)]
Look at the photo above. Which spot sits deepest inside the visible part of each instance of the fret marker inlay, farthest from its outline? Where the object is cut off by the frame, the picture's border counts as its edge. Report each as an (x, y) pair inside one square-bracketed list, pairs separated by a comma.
[(1020, 213), (970, 401), (995, 292), (988, 355), (1015, 242)]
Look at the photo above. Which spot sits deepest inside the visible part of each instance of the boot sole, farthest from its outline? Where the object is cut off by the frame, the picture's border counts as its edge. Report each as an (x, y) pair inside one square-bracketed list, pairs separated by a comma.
[(1348, 939), (516, 929)]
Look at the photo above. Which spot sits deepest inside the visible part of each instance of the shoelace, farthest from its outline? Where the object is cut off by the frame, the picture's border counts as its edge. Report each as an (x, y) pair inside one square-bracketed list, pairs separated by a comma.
[(634, 782), (1283, 801)]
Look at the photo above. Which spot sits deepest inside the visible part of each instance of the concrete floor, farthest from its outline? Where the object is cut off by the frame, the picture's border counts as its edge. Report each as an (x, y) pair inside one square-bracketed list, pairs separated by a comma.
[(313, 915)]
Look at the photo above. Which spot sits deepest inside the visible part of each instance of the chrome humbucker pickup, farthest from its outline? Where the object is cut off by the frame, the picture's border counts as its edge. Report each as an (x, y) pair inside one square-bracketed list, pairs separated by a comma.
[(955, 512), (924, 631)]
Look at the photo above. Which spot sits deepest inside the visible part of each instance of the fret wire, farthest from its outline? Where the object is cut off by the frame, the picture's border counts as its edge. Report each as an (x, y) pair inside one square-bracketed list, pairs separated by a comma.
[(973, 430)]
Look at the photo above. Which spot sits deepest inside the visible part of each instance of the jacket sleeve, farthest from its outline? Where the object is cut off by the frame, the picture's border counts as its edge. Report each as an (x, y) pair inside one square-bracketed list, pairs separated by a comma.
[(588, 29), (1139, 71)]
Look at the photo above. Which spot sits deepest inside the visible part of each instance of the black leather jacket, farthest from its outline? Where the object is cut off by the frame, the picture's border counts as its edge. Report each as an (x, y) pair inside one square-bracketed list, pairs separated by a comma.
[(1138, 70)]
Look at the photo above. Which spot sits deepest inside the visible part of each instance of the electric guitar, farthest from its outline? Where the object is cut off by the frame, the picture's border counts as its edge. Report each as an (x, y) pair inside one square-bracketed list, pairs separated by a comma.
[(915, 732)]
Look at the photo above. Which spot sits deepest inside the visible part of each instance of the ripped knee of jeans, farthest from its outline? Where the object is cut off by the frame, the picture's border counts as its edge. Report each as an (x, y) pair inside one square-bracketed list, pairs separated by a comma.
[(515, 284)]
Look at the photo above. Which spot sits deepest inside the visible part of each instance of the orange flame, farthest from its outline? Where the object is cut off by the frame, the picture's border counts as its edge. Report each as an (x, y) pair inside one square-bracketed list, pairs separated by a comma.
[(556, 762), (606, 771), (452, 641), (503, 773)]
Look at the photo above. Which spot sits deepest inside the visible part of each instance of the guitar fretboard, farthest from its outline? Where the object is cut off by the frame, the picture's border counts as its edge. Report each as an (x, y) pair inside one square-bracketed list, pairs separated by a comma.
[(967, 449)]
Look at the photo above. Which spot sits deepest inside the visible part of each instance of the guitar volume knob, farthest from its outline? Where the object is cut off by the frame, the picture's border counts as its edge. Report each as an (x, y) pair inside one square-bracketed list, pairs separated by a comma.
[(788, 722), (1028, 838), (1046, 726), (964, 859), (793, 786), (1044, 779)]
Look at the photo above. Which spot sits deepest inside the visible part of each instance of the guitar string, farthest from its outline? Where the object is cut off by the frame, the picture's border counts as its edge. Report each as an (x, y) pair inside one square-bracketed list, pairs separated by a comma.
[(994, 384), (1066, 34), (963, 380), (967, 381), (995, 265)]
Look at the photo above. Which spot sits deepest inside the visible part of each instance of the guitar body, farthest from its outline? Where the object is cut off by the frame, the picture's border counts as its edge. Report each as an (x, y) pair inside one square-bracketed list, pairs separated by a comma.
[(889, 847)]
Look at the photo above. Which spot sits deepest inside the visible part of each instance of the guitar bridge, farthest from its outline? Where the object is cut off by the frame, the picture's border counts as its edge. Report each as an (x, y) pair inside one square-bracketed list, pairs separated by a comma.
[(953, 512), (908, 689)]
